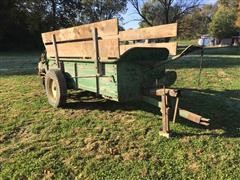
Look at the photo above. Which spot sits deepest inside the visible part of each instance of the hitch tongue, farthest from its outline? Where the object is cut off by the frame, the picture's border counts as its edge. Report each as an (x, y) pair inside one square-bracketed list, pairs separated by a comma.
[(193, 117), (164, 105)]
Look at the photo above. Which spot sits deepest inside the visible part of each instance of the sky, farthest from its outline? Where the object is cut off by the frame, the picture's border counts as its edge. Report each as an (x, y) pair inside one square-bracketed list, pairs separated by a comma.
[(130, 18)]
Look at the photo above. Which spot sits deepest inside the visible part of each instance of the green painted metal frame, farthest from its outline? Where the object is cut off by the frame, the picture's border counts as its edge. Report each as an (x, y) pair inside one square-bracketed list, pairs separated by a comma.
[(121, 79)]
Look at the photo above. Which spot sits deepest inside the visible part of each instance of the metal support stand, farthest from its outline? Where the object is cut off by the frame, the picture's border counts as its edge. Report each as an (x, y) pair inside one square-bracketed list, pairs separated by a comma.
[(165, 107), (175, 110), (165, 114)]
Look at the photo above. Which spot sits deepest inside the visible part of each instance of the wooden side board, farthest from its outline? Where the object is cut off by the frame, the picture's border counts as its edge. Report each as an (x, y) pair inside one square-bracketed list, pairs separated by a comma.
[(78, 41), (109, 48), (105, 28), (162, 31), (171, 46)]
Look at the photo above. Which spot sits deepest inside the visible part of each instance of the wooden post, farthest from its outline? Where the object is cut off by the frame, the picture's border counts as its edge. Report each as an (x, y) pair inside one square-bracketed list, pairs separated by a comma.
[(175, 110), (76, 75), (56, 50), (96, 57), (165, 114), (96, 51)]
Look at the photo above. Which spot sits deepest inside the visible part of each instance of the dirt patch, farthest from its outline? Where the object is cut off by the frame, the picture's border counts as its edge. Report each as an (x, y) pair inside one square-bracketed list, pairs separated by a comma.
[(186, 139), (72, 113), (194, 167), (47, 174)]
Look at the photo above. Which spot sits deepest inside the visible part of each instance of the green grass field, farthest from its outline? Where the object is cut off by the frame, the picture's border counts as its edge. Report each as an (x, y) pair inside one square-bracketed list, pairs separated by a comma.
[(94, 138)]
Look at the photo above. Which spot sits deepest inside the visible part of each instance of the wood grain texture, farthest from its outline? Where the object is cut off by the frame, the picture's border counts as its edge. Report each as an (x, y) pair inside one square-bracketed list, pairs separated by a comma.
[(78, 41), (105, 28), (108, 48), (162, 31), (171, 46)]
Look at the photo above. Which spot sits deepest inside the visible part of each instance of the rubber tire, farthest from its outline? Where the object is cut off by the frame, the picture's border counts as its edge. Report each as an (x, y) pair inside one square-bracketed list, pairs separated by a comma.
[(41, 78), (58, 78), (42, 82)]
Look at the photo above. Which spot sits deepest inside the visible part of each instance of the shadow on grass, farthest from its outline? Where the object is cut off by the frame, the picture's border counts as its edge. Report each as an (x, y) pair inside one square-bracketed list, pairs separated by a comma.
[(208, 62), (214, 50), (90, 101), (221, 107), (222, 50)]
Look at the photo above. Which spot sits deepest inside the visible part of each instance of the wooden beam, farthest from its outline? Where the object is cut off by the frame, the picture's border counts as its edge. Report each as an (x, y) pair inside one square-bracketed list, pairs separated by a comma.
[(108, 48), (96, 50), (171, 46), (55, 50), (77, 41), (105, 28), (96, 57), (165, 114), (162, 31)]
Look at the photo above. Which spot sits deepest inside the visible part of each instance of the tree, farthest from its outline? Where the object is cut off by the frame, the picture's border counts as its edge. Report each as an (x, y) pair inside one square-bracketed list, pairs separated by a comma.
[(166, 11), (97, 10), (23, 21), (154, 13), (223, 22), (228, 4), (197, 22), (238, 14), (52, 14), (13, 28)]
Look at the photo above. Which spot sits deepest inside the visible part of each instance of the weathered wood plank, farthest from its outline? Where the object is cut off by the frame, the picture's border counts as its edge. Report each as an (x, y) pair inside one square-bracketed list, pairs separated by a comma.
[(105, 28), (162, 31), (55, 49), (171, 46), (107, 49)]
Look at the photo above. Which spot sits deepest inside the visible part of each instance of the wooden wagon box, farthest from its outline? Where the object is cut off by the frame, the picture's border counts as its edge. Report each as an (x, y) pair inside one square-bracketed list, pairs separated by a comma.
[(98, 58), (118, 65)]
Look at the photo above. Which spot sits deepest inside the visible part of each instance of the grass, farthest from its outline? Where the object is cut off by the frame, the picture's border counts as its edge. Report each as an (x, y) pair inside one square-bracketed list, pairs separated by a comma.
[(94, 138), (18, 62), (187, 42)]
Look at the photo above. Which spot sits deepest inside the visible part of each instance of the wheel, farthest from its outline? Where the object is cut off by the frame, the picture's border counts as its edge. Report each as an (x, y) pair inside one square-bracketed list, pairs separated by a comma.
[(56, 88), (42, 81)]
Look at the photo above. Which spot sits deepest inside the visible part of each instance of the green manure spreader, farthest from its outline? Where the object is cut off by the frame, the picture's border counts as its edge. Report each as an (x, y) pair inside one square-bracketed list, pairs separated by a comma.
[(121, 66)]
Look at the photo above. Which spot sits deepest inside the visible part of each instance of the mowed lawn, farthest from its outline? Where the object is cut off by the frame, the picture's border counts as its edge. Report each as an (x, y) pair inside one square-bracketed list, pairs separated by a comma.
[(93, 138)]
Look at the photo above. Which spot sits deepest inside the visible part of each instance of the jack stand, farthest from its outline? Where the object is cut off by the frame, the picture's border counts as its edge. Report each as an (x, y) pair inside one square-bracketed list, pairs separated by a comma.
[(165, 115), (165, 108)]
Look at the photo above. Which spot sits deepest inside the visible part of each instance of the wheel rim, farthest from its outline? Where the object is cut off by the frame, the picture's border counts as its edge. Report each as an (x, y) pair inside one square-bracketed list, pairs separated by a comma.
[(53, 88)]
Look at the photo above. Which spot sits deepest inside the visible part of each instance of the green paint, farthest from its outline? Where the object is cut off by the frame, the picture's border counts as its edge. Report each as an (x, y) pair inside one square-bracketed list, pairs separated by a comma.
[(140, 54), (81, 75), (123, 79)]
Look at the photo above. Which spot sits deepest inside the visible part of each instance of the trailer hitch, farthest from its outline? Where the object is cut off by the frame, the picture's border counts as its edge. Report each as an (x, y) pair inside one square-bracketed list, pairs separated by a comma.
[(166, 107)]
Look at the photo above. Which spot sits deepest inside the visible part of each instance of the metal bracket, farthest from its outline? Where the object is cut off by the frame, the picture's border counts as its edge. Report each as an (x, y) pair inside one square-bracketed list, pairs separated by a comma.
[(188, 50)]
